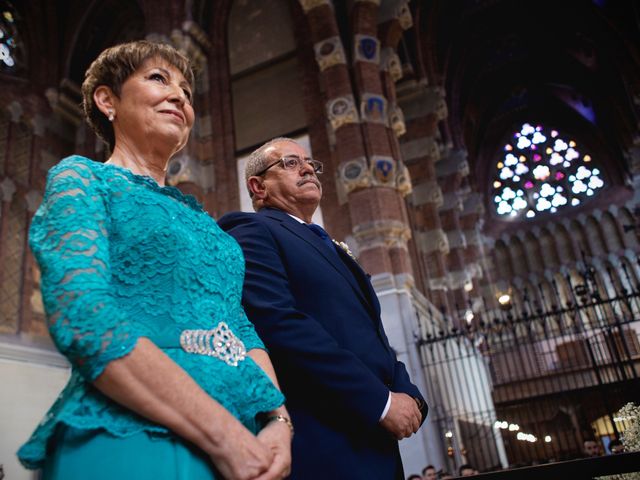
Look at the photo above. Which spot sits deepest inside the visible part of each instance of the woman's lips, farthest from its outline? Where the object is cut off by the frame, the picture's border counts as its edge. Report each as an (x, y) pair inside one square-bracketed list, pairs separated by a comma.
[(174, 113)]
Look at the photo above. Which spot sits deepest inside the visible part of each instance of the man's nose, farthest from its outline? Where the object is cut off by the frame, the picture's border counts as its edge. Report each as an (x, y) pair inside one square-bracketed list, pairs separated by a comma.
[(306, 168)]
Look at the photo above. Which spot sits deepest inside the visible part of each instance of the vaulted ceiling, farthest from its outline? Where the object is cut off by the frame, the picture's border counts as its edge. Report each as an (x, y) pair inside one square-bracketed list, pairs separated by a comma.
[(572, 65)]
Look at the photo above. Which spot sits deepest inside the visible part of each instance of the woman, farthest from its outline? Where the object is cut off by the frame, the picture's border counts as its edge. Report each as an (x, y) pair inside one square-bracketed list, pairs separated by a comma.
[(142, 293)]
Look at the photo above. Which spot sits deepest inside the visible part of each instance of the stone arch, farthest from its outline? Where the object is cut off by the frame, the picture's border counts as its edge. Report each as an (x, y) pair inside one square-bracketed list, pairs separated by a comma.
[(534, 252), (595, 238), (630, 236), (582, 243), (503, 264), (518, 255), (563, 290), (549, 249), (566, 252), (546, 294), (611, 232)]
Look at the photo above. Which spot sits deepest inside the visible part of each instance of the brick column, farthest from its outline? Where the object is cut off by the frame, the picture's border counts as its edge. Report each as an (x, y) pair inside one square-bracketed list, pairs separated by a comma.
[(450, 171), (424, 108)]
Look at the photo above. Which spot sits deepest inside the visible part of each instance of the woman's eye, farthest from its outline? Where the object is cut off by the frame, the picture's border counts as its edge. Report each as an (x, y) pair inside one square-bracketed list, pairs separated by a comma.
[(187, 94), (158, 77)]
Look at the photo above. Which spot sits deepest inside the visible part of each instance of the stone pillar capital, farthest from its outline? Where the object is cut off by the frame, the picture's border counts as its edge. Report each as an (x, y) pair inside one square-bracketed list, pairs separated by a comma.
[(15, 111), (381, 233), (308, 5), (33, 199), (432, 241), (7, 189)]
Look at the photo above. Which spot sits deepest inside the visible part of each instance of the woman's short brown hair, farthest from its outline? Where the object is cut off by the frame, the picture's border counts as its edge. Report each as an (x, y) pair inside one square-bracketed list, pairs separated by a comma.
[(112, 68)]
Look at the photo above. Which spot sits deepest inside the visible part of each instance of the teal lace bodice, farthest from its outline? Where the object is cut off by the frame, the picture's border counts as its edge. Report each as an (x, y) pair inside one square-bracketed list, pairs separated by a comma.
[(121, 258)]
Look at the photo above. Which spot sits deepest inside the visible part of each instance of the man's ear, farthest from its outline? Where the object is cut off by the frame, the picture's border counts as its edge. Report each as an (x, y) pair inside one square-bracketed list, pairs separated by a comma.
[(257, 187), (104, 98)]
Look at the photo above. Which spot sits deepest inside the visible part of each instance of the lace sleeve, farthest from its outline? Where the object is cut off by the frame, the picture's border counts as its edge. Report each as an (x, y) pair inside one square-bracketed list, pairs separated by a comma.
[(247, 332), (69, 237)]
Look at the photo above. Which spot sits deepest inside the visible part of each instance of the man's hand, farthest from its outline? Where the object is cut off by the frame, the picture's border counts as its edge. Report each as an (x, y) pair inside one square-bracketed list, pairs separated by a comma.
[(277, 437), (403, 418)]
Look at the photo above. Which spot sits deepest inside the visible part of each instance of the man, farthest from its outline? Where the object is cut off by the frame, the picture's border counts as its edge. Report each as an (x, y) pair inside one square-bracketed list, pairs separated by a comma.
[(591, 448), (429, 473), (349, 398), (467, 470)]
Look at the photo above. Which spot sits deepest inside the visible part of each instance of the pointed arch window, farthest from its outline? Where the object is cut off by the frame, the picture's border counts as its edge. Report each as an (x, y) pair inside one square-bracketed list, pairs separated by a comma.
[(542, 171), (9, 39)]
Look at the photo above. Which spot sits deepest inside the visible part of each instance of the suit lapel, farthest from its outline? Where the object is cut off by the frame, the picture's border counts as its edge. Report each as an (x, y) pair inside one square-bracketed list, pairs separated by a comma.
[(298, 229)]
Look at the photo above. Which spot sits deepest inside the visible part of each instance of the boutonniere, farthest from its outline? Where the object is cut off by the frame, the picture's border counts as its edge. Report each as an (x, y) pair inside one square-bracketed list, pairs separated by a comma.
[(346, 249)]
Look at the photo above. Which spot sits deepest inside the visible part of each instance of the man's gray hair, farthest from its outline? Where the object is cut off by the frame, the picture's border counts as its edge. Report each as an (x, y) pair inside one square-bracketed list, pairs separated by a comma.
[(259, 160)]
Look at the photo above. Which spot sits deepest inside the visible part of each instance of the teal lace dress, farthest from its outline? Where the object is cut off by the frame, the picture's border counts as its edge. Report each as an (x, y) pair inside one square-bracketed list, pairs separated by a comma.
[(123, 258)]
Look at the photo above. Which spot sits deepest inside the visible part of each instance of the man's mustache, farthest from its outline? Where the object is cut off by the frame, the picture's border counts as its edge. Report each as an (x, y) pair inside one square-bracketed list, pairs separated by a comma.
[(309, 178)]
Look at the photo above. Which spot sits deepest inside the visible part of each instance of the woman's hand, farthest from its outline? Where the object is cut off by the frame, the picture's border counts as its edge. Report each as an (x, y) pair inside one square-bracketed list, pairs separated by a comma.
[(277, 437), (241, 456)]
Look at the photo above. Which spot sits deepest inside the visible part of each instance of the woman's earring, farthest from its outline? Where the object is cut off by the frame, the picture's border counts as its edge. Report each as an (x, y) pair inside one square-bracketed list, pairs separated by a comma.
[(111, 115)]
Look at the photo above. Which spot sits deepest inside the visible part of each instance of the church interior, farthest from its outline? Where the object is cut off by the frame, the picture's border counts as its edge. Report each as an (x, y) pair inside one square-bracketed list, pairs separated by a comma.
[(481, 160)]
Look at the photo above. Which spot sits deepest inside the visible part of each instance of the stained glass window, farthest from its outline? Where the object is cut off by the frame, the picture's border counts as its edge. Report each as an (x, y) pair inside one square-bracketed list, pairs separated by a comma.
[(542, 172), (8, 40)]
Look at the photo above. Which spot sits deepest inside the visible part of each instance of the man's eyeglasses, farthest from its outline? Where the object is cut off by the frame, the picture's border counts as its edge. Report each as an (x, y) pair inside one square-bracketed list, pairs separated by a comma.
[(291, 162)]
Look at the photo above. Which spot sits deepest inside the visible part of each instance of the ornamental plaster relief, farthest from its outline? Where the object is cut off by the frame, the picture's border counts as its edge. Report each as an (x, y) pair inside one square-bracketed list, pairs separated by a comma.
[(366, 49), (33, 199), (15, 111), (38, 125), (403, 180), (48, 160), (451, 201), (427, 192), (308, 5), (329, 52), (474, 269), (381, 233), (185, 168), (455, 162), (65, 102), (384, 171), (390, 62), (7, 189), (373, 108), (396, 119), (396, 10), (473, 237), (342, 111), (473, 205), (203, 127), (438, 283), (352, 175), (185, 41), (424, 101), (420, 148), (432, 241), (457, 279), (403, 14), (456, 239)]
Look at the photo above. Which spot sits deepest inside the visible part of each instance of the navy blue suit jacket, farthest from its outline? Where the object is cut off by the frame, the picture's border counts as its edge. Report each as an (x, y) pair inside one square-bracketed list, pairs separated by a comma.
[(319, 316)]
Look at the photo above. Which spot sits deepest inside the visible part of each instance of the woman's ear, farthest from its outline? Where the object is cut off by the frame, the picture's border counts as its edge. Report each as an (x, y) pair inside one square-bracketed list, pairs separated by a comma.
[(104, 98)]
